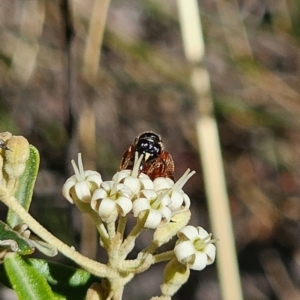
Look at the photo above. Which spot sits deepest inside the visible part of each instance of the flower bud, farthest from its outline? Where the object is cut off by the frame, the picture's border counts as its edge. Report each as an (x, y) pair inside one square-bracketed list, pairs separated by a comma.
[(175, 275), (163, 234), (15, 160)]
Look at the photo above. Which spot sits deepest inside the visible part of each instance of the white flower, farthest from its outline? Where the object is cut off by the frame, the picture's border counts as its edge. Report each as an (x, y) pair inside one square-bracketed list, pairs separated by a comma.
[(83, 183), (164, 201), (194, 248), (111, 199), (132, 178), (155, 208), (178, 200)]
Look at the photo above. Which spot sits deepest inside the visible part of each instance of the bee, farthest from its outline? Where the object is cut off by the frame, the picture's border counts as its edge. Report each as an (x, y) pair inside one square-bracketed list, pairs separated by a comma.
[(156, 161)]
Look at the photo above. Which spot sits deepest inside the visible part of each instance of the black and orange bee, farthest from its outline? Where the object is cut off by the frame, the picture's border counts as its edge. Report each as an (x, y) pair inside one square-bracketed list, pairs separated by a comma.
[(156, 161)]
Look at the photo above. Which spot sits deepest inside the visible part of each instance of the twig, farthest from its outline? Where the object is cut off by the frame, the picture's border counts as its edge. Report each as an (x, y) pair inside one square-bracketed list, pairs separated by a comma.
[(92, 266)]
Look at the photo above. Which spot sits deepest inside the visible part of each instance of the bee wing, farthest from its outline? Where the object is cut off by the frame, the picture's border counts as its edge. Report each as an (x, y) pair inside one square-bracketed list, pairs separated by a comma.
[(164, 166), (168, 161)]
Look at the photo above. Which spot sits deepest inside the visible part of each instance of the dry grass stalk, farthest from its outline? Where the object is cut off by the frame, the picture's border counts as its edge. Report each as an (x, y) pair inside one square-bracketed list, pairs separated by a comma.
[(210, 153), (94, 40)]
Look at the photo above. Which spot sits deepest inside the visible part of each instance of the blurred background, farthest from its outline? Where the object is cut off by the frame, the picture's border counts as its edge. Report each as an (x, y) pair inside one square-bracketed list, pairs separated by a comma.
[(66, 90)]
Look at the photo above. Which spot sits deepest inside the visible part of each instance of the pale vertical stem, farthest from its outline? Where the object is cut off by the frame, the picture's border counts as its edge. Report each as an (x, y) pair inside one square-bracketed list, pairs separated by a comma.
[(94, 39), (191, 31), (220, 216), (210, 152)]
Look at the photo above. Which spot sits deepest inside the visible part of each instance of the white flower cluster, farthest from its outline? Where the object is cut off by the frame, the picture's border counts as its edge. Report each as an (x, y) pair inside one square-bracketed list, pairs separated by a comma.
[(129, 191), (153, 203)]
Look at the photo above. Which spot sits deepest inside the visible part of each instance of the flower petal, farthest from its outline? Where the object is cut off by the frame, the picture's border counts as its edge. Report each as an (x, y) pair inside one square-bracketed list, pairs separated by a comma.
[(146, 182), (107, 185), (125, 205), (97, 197), (124, 190), (187, 201), (149, 194), (176, 200), (133, 183), (184, 207), (189, 232), (153, 219), (66, 189), (106, 208), (140, 205), (200, 261), (183, 250), (165, 199), (166, 213), (162, 183), (94, 177), (211, 253), (202, 233), (99, 194), (83, 192), (119, 176)]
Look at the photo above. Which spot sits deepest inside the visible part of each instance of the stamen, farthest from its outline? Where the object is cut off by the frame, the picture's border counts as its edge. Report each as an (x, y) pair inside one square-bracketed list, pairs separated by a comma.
[(200, 244), (156, 203), (137, 163), (76, 171), (160, 197), (80, 166), (183, 179)]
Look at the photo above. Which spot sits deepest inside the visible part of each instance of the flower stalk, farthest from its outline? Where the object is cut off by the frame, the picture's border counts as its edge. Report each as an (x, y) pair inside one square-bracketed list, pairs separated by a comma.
[(96, 268), (160, 205)]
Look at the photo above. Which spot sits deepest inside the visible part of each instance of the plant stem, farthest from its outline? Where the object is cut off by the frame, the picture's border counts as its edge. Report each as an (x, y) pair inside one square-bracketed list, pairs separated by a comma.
[(122, 225), (163, 256), (101, 228), (129, 242), (90, 265)]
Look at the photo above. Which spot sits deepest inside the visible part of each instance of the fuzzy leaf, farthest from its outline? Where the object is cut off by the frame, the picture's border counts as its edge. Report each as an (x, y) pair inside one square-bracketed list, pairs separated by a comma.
[(26, 281), (68, 282), (26, 185)]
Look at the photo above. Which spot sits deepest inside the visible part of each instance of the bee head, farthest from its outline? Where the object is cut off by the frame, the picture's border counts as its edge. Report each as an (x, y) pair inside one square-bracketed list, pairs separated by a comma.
[(149, 144)]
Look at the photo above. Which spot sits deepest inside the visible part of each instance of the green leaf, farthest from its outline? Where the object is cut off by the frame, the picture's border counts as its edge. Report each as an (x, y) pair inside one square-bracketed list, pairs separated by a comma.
[(27, 282), (68, 282), (11, 240), (26, 185)]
